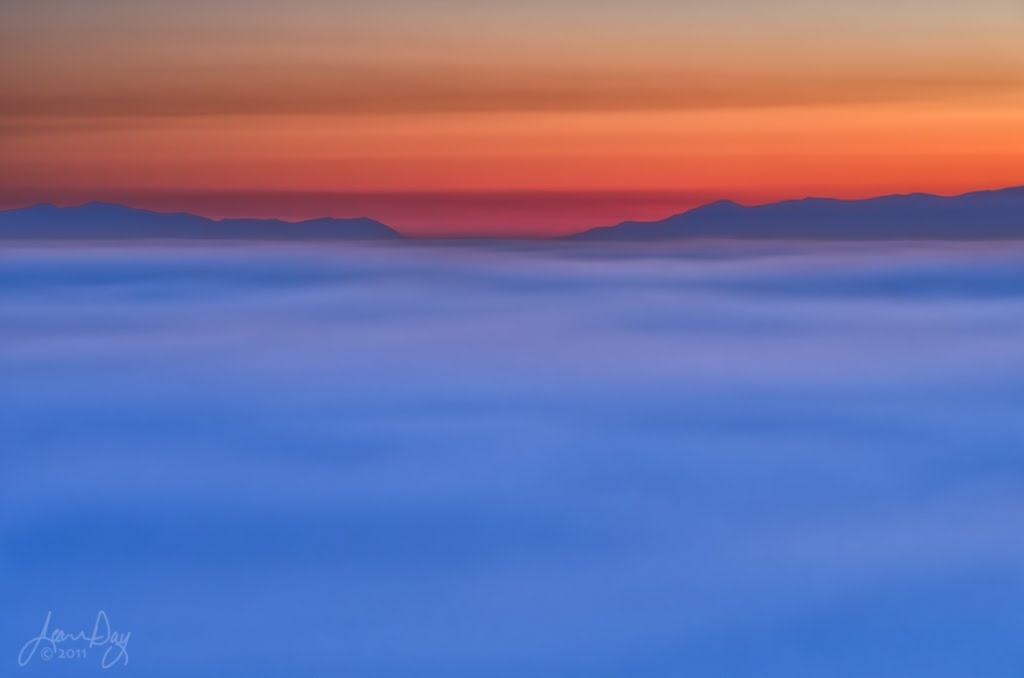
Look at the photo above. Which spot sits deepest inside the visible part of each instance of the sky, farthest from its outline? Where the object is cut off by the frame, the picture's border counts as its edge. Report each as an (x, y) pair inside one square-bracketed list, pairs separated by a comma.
[(459, 117)]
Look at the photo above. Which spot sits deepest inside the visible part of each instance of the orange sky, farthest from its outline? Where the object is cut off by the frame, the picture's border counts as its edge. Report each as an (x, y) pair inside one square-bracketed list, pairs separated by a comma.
[(544, 118)]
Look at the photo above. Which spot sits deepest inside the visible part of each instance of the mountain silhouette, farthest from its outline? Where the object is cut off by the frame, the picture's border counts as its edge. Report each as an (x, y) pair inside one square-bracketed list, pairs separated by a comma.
[(985, 215), (102, 221)]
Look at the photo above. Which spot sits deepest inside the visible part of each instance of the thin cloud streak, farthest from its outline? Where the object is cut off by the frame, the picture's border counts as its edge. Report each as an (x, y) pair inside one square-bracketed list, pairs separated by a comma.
[(328, 90)]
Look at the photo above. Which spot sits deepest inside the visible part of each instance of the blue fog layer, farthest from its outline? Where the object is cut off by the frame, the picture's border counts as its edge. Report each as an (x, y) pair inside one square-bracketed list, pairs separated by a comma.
[(568, 460)]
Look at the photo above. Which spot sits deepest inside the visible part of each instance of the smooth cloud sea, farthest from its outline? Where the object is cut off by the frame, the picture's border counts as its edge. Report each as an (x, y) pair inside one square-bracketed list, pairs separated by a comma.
[(518, 460)]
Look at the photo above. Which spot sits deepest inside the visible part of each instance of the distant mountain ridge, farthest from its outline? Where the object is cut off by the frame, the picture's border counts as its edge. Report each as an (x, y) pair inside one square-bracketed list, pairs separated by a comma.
[(104, 221), (983, 215)]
